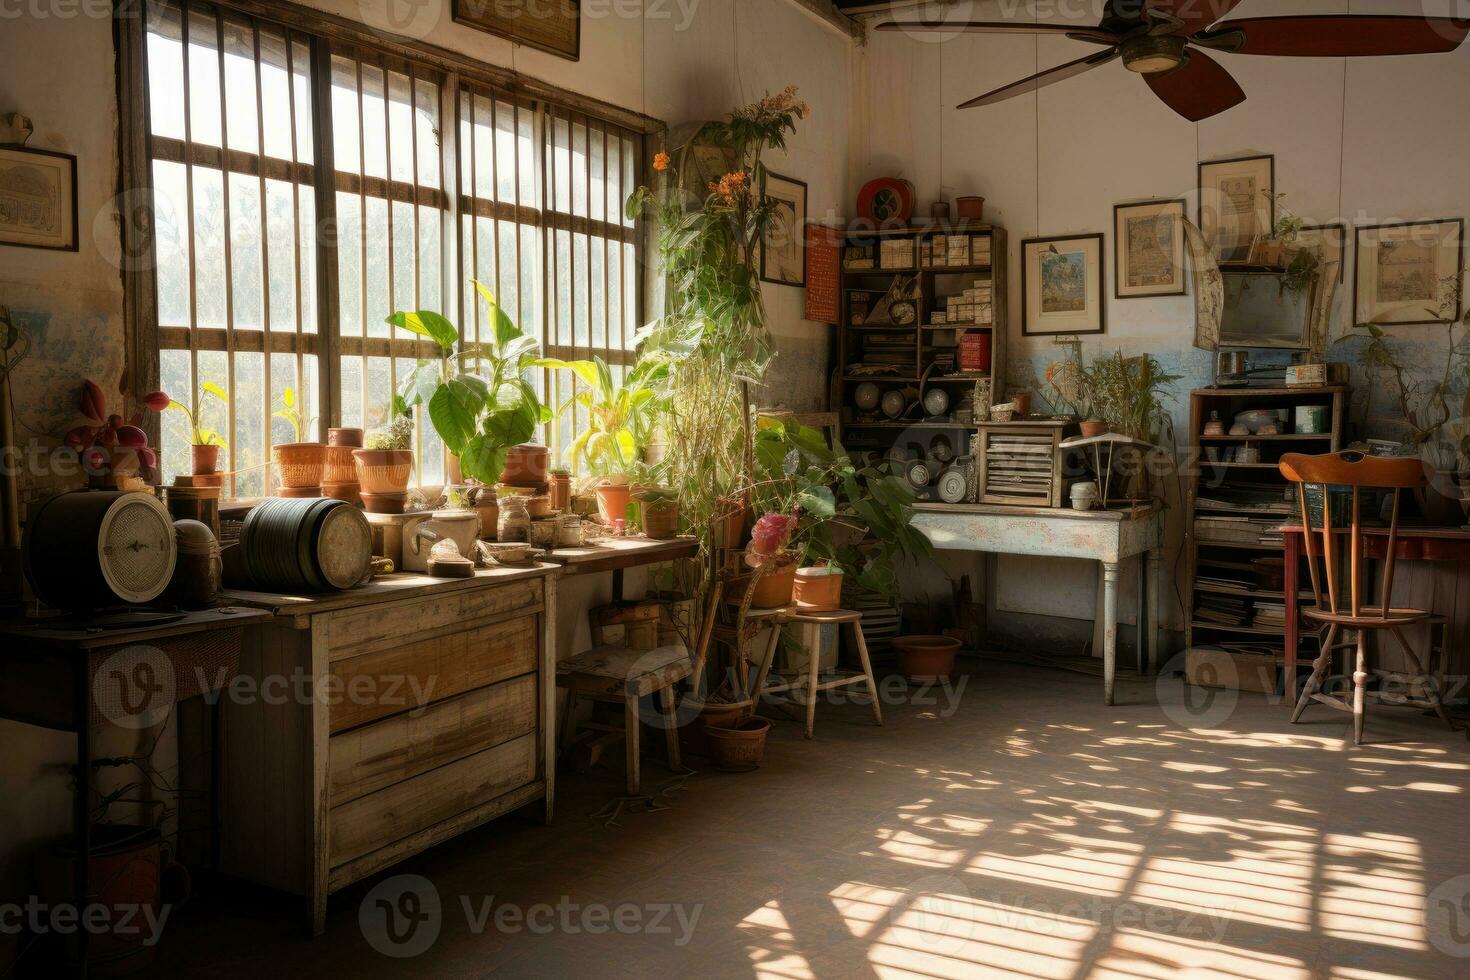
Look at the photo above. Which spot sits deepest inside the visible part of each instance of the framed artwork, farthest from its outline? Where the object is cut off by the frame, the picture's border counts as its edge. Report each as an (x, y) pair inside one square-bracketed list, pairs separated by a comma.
[(783, 251), (1148, 249), (1062, 286), (1331, 240), (1237, 204), (1409, 272), (38, 198), (555, 28)]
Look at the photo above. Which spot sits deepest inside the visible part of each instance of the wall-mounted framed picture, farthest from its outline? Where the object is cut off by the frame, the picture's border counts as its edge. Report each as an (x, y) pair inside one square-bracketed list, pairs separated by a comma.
[(783, 246), (1409, 273), (1148, 249), (1062, 286), (38, 198), (1331, 240), (1237, 204), (553, 26)]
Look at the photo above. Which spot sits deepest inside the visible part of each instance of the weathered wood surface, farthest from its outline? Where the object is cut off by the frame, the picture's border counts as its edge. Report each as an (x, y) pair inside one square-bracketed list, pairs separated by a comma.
[(1108, 536)]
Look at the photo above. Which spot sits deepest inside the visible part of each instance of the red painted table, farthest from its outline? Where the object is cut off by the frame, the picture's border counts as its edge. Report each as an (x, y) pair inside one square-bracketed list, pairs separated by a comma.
[(1414, 544)]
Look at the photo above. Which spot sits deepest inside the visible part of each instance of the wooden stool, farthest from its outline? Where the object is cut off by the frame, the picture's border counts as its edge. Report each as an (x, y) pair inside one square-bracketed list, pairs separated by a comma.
[(814, 682), (617, 674)]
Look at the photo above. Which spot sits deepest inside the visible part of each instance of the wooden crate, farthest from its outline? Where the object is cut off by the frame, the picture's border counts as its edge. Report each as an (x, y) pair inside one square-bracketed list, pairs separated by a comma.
[(1020, 463)]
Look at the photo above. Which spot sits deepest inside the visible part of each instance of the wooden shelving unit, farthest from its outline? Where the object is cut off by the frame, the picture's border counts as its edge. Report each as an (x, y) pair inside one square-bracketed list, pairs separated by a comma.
[(915, 435), (1214, 489)]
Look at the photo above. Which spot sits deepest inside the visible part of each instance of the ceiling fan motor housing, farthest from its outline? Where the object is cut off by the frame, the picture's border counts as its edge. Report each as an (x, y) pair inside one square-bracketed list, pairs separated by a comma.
[(1149, 54)]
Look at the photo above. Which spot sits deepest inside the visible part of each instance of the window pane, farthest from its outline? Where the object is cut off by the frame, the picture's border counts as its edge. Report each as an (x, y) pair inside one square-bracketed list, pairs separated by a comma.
[(209, 247), (202, 65), (246, 256), (166, 77), (174, 377), (241, 123), (171, 243)]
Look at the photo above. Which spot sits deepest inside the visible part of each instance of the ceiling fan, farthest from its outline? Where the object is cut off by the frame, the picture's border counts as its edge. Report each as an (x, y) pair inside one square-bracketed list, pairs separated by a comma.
[(1161, 40)]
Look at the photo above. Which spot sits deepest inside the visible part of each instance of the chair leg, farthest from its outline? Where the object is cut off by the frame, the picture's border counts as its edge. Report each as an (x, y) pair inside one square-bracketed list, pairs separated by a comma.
[(630, 721), (671, 729), (1433, 681), (814, 670), (862, 650), (1319, 669), (1360, 686), (765, 667)]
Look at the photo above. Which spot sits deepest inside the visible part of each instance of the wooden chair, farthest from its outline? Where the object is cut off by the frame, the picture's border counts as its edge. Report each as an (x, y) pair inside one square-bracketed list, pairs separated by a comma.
[(620, 675), (815, 682), (1358, 471)]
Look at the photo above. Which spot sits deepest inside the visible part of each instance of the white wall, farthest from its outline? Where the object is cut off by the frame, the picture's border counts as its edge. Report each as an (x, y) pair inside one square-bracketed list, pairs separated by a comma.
[(1369, 142), (700, 61)]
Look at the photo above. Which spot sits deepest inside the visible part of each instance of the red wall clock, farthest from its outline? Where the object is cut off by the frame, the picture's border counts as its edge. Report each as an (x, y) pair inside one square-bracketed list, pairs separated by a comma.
[(886, 201)]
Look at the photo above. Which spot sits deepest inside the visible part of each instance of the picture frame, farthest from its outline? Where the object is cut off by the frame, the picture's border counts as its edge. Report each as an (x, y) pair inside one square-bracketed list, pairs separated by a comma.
[(783, 245), (1062, 285), (38, 191), (1402, 270), (555, 28), (1333, 240), (1149, 249), (1237, 205)]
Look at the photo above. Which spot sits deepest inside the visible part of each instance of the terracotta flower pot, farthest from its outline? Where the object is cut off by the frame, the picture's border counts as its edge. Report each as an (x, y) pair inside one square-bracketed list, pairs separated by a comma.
[(612, 501), (203, 459), (818, 589), (970, 208), (926, 658), (526, 465), (383, 471), (299, 464), (1093, 428), (774, 588), (733, 524), (340, 466), (661, 520), (348, 438), (1022, 401), (561, 491)]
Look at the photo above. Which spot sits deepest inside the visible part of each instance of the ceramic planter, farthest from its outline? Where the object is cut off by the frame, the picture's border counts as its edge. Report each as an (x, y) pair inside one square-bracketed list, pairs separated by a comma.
[(346, 438), (383, 471), (818, 589), (526, 465), (204, 459), (661, 520), (612, 502), (1092, 428), (299, 464), (340, 467), (774, 588), (926, 658)]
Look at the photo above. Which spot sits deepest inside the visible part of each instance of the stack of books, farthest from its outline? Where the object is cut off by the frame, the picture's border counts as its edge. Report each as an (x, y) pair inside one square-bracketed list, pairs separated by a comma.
[(1270, 615), (1222, 610)]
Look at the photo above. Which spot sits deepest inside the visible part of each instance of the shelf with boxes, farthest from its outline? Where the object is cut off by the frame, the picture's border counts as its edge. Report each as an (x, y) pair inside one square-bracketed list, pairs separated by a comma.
[(920, 349)]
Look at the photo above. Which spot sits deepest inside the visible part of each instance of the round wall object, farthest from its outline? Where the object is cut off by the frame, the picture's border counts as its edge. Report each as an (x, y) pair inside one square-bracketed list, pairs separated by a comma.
[(936, 401), (886, 201), (920, 474), (867, 396), (894, 403), (941, 448), (953, 487)]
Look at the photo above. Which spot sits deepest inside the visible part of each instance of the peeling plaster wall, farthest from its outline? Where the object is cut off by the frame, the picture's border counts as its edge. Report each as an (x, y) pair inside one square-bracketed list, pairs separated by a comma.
[(1377, 141)]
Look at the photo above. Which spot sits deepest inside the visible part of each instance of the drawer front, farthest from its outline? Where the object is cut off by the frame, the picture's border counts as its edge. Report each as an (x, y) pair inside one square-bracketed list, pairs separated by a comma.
[(379, 819), (364, 630), (377, 756), (421, 671)]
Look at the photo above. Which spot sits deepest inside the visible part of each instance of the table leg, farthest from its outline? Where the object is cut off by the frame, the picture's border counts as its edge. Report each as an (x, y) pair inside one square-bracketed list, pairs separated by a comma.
[(1289, 588), (1110, 629), (82, 803), (1140, 655), (1156, 615)]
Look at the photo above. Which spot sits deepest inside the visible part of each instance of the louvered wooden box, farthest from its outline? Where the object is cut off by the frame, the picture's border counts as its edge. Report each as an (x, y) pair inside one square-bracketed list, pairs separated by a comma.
[(1020, 463)]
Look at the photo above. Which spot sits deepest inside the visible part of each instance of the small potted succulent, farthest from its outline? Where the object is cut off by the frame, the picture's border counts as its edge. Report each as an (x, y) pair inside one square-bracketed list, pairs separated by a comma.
[(298, 464), (204, 443), (385, 465)]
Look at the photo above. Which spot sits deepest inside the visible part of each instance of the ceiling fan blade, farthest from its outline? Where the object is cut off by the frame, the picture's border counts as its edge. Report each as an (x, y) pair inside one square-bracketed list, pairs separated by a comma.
[(1198, 89), (1192, 16), (1042, 79), (1078, 33), (1332, 36)]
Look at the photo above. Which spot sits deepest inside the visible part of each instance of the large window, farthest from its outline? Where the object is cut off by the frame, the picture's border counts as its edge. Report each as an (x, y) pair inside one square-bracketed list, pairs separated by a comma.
[(295, 212)]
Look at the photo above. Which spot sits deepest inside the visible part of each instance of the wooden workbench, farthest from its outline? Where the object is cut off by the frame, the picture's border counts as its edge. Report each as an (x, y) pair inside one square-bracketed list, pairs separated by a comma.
[(429, 711)]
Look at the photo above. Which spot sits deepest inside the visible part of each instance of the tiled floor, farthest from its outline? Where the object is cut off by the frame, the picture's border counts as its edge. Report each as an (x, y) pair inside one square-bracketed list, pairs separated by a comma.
[(1023, 830)]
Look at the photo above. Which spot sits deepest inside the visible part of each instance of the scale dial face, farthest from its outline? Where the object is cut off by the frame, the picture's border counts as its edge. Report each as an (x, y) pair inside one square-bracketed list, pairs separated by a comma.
[(936, 401), (894, 403), (904, 313)]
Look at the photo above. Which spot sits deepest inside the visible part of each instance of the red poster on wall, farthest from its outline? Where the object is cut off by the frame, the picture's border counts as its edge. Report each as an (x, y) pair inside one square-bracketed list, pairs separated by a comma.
[(823, 273)]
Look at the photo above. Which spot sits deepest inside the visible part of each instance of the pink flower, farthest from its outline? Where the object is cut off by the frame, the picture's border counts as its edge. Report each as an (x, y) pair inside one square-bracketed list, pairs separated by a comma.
[(156, 401), (770, 536)]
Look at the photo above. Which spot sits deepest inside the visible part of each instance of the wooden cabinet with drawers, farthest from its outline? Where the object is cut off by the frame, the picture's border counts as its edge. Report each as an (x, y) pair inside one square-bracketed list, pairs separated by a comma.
[(369, 725)]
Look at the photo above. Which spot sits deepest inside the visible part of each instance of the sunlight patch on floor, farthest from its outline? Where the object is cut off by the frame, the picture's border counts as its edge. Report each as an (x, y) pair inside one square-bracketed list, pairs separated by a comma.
[(1373, 890), (769, 943), (1137, 955)]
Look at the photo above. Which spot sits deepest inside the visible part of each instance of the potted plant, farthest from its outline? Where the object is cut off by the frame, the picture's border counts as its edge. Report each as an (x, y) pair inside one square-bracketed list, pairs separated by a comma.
[(1127, 393), (660, 507), (112, 452), (1066, 389), (771, 555), (385, 465), (298, 464), (204, 443), (476, 394), (819, 587), (620, 416)]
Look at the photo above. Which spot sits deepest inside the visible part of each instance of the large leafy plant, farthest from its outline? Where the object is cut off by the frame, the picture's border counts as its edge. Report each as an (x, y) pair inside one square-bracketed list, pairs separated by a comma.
[(1128, 393), (477, 395), (620, 416)]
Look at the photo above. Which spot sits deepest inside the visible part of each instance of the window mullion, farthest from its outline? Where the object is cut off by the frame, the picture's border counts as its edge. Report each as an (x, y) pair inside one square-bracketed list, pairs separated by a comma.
[(328, 324)]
